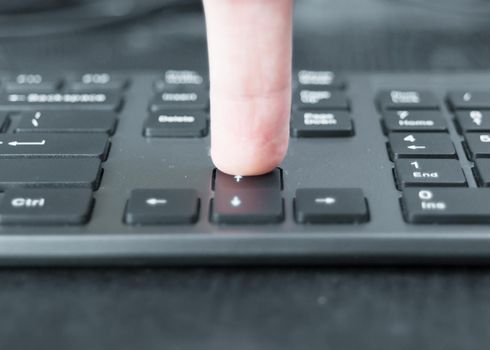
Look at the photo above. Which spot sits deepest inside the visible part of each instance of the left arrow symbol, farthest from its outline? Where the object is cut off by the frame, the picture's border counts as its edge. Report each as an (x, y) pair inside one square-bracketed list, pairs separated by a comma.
[(416, 147)]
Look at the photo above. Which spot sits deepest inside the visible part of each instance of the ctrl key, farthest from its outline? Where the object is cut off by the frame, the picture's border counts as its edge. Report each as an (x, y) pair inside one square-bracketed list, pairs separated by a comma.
[(446, 205), (46, 206)]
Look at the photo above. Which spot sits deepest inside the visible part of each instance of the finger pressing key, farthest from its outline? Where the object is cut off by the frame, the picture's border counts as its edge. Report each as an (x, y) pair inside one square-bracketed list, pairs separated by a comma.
[(250, 49)]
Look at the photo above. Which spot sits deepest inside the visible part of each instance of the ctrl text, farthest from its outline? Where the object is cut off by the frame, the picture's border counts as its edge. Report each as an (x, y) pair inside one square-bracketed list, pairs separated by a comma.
[(27, 202)]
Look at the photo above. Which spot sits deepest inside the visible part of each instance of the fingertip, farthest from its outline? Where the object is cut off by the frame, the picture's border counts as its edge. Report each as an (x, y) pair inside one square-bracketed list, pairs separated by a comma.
[(253, 161), (250, 135)]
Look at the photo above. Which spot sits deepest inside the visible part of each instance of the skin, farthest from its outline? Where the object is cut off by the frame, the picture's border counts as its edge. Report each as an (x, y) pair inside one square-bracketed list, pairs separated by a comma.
[(250, 55)]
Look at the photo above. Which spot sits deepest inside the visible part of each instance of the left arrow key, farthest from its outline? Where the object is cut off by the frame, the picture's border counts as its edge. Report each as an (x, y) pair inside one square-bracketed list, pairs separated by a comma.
[(162, 207)]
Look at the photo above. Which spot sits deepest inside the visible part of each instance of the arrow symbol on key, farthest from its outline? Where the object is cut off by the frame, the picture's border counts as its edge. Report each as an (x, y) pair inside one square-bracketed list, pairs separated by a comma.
[(328, 200), (155, 201), (236, 202), (416, 147), (17, 143), (238, 178)]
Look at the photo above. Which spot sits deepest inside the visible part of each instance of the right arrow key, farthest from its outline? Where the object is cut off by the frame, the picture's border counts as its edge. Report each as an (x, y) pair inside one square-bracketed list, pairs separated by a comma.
[(325, 206)]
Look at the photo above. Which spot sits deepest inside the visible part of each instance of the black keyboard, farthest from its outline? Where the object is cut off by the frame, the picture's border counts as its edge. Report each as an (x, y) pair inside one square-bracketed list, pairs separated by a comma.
[(114, 168)]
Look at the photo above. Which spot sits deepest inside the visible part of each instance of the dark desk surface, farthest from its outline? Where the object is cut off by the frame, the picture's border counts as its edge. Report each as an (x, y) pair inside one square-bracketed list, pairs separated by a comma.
[(287, 308), (315, 308)]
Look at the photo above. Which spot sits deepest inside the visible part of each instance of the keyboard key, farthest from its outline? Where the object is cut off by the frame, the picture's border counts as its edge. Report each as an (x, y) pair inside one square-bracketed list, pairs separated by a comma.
[(97, 81), (421, 145), (415, 120), (162, 207), (482, 172), (67, 122), (477, 145), (66, 101), (245, 206), (325, 79), (172, 100), (179, 80), (320, 99), (32, 82), (176, 124), (469, 121), (247, 200), (321, 124), (433, 172), (469, 99), (323, 206), (50, 172), (46, 207), (271, 181), (407, 99), (446, 205), (53, 145)]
